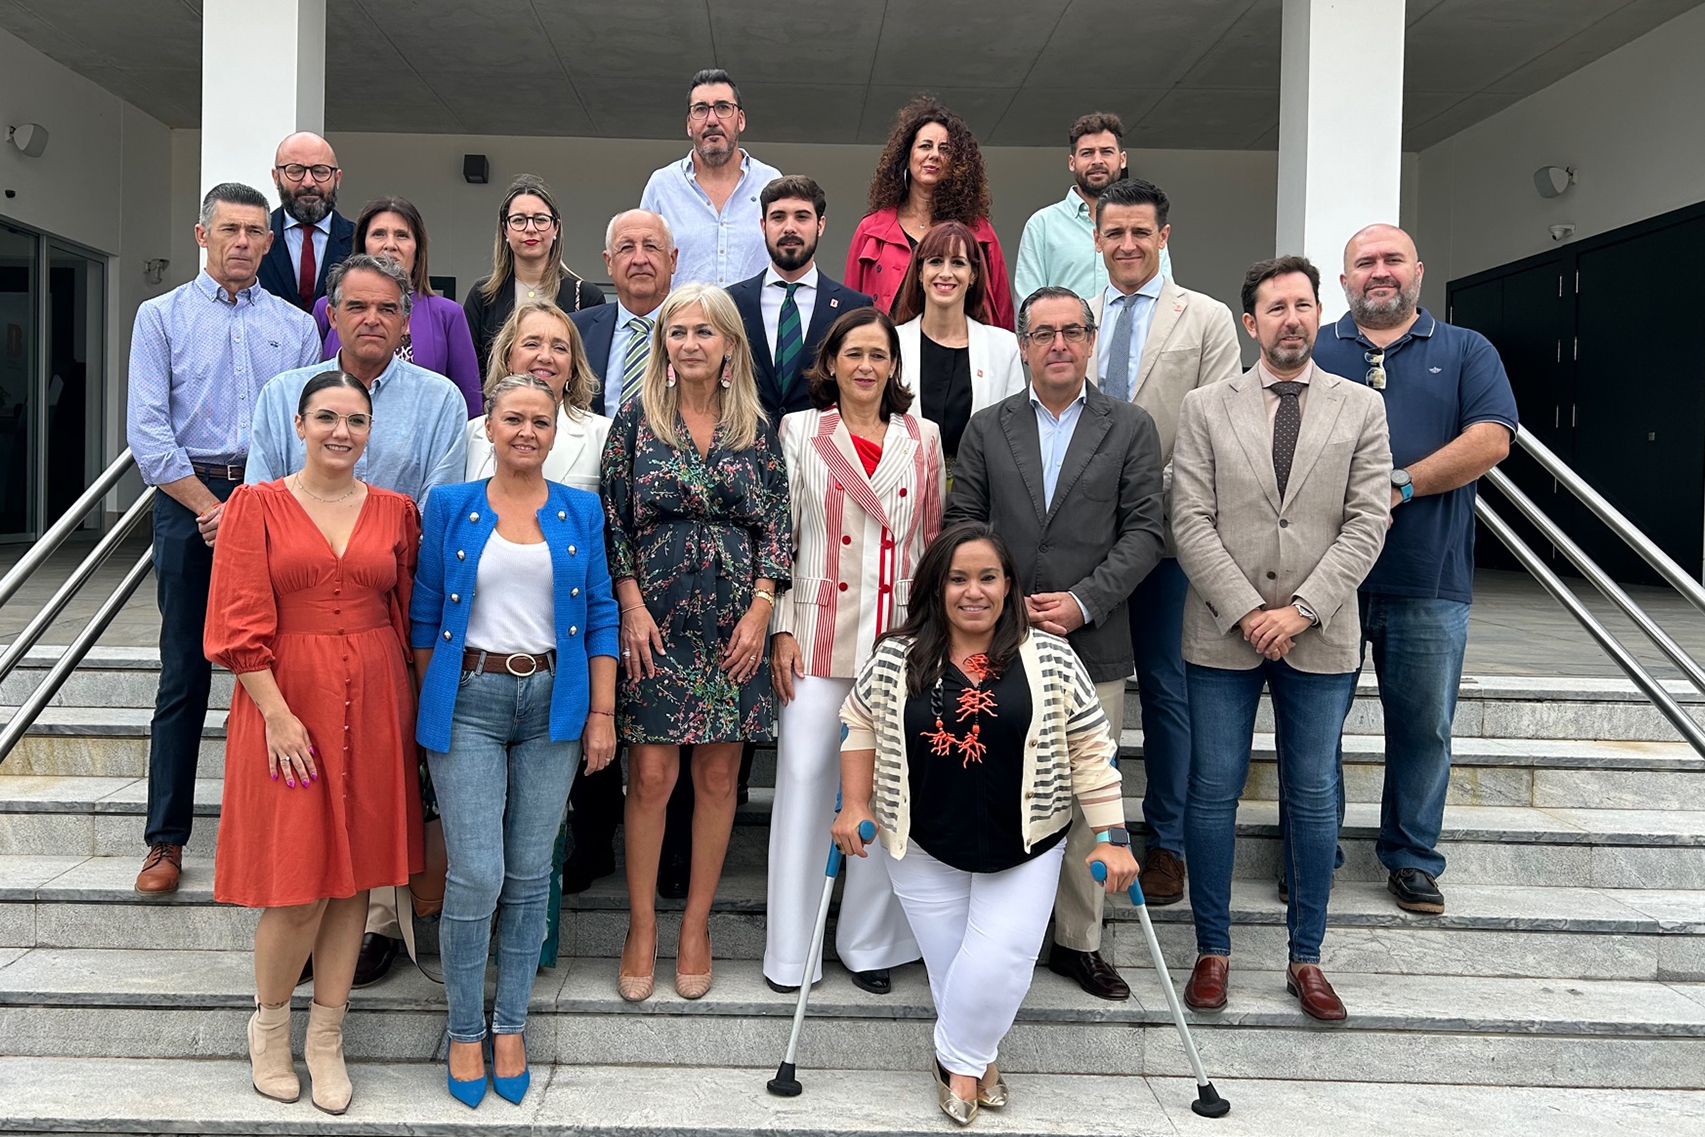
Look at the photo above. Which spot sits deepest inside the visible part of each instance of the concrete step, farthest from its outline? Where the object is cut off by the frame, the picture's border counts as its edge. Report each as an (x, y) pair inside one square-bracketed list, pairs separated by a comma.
[(52, 1095), (117, 1004), (1563, 846), (1489, 931)]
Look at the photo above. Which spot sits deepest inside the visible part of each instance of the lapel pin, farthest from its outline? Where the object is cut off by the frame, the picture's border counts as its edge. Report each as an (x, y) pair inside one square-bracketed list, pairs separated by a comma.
[(979, 372), (834, 302)]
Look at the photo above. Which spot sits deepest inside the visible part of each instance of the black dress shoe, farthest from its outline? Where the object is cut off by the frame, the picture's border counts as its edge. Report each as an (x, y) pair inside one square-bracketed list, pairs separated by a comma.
[(876, 981), (781, 988), (307, 971), (578, 874), (374, 962), (1416, 891), (672, 880), (1094, 974), (1284, 887)]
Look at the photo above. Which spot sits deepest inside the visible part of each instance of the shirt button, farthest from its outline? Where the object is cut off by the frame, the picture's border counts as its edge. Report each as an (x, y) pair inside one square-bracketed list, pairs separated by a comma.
[(460, 555), (573, 631), (571, 550), (902, 491), (446, 636), (846, 540), (474, 517), (574, 592), (842, 586), (455, 598), (1284, 524), (561, 515), (346, 726), (1272, 576)]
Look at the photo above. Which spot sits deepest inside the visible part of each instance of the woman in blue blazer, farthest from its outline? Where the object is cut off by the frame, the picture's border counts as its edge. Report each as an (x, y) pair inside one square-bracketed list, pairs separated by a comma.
[(514, 635)]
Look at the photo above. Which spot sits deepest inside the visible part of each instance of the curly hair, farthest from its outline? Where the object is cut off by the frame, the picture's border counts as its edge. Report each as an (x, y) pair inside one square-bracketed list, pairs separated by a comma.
[(963, 192)]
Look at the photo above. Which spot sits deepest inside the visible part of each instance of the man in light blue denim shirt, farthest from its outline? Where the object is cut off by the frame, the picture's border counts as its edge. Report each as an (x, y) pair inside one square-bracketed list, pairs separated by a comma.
[(420, 419), (710, 197)]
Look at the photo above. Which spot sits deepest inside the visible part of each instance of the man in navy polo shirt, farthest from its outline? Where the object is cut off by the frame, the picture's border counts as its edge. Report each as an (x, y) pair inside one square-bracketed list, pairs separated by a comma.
[(1452, 415)]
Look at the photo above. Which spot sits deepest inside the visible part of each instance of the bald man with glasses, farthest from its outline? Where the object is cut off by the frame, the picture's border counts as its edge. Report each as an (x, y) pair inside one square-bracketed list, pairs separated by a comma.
[(309, 235)]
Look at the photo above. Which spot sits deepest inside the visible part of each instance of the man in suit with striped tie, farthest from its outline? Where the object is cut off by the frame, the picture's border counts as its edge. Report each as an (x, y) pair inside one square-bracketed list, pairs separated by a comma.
[(640, 254), (787, 308)]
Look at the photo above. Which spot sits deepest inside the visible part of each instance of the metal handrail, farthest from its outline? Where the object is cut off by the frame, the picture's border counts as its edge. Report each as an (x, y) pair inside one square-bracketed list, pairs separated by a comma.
[(49, 542), (1679, 578)]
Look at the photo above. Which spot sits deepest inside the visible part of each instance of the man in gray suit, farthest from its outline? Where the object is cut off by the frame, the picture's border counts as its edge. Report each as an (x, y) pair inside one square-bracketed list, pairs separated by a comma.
[(1071, 480), (1281, 494)]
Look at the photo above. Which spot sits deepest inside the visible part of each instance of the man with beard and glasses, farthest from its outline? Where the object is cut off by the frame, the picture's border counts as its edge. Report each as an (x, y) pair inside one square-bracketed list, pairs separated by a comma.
[(789, 306), (710, 197), (309, 235), (1452, 416), (1058, 246), (1279, 510)]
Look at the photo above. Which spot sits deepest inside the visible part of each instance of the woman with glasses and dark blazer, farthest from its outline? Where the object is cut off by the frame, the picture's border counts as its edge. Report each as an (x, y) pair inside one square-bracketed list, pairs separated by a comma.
[(526, 264)]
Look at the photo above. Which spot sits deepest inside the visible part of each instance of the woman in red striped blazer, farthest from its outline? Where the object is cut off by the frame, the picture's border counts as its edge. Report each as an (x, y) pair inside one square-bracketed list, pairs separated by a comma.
[(866, 481)]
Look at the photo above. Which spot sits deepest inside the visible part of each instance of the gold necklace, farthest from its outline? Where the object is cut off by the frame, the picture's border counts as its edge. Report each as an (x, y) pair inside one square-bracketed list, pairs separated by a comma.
[(326, 500)]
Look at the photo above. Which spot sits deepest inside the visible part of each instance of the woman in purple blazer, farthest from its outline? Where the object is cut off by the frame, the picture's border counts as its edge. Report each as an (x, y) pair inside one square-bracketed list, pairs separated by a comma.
[(437, 337)]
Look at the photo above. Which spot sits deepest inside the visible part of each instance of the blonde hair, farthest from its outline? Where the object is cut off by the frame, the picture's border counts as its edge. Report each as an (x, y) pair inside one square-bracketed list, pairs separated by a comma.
[(581, 384), (740, 413)]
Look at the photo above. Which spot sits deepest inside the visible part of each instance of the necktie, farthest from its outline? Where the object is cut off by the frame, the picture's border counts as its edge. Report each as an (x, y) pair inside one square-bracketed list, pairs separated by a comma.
[(636, 356), (1285, 426), (310, 273), (789, 341), (1117, 382)]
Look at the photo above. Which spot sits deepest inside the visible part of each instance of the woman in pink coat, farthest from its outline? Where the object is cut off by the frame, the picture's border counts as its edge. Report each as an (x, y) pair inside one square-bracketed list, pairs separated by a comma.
[(930, 171)]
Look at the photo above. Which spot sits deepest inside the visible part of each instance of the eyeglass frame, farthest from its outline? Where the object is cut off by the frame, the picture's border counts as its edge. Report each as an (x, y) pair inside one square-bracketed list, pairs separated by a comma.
[(1375, 377), (701, 112), (314, 417), (1033, 336), (530, 221), (286, 167)]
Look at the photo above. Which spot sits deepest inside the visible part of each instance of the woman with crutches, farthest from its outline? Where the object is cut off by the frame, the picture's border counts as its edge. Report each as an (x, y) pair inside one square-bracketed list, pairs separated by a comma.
[(969, 735), (866, 484)]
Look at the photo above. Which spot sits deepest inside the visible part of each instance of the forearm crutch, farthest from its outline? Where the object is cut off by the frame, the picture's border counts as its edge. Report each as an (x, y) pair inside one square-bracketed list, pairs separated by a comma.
[(1208, 1102), (785, 1084)]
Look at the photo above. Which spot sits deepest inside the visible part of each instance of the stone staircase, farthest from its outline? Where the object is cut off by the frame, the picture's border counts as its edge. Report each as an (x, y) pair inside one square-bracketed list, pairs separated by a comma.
[(1571, 962)]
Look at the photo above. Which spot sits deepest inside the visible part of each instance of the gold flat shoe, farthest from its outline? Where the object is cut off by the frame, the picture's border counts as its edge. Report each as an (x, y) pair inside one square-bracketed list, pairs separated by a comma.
[(636, 988), (961, 1111), (995, 1096)]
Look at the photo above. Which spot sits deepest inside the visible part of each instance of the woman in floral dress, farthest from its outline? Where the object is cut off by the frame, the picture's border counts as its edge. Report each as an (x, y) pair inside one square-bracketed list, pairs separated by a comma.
[(695, 493)]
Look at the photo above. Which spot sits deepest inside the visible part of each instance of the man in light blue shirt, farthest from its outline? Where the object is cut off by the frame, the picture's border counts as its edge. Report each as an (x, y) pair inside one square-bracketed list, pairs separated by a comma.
[(1058, 246), (420, 418), (199, 356), (710, 197)]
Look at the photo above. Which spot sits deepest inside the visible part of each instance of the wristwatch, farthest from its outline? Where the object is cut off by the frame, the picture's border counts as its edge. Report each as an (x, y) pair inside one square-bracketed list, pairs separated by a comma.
[(1401, 482), (1306, 613), (1115, 836)]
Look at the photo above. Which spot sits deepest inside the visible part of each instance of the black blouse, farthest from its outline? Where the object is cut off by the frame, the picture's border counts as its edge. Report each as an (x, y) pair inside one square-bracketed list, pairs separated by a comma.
[(968, 812), (945, 386)]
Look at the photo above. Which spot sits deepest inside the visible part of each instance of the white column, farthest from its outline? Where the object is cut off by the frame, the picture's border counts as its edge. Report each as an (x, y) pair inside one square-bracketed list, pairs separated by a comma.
[(1340, 129), (263, 76)]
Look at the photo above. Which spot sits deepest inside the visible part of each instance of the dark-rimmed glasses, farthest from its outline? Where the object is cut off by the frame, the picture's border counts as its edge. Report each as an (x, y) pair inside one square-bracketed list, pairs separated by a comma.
[(521, 221), (723, 109), (295, 171), (1045, 335)]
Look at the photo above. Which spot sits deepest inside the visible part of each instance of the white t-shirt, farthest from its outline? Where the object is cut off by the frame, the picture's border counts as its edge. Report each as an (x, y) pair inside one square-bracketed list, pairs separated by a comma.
[(514, 608)]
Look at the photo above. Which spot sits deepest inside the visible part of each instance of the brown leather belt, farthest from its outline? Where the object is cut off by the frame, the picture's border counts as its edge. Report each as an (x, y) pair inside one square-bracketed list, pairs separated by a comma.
[(519, 664), (223, 473)]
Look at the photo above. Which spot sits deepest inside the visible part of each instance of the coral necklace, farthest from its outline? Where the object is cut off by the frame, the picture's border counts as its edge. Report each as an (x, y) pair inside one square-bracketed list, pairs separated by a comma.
[(974, 702)]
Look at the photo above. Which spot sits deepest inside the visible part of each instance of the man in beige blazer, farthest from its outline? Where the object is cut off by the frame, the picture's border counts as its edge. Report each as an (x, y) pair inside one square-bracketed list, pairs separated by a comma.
[(1158, 342), (1282, 495)]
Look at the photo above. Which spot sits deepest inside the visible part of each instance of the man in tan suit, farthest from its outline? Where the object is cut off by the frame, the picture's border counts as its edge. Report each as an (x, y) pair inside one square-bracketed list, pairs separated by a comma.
[(1281, 497), (1158, 342)]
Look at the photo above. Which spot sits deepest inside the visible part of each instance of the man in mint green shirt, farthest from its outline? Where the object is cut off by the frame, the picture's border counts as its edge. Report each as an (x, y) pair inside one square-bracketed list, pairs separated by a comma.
[(1058, 246)]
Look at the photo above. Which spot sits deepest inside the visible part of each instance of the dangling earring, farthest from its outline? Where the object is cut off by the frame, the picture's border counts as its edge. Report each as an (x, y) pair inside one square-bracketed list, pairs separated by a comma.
[(669, 372), (725, 380)]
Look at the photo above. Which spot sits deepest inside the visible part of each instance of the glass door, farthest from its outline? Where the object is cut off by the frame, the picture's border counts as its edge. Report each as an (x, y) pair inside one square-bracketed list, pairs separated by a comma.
[(20, 286), (76, 363)]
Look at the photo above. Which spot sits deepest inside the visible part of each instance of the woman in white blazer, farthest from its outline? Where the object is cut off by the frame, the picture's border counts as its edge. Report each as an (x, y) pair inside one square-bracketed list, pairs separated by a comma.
[(539, 340), (866, 483), (950, 355)]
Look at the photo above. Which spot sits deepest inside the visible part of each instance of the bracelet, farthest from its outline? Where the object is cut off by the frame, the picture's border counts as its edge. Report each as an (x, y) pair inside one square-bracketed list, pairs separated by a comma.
[(764, 594), (610, 714), (631, 608)]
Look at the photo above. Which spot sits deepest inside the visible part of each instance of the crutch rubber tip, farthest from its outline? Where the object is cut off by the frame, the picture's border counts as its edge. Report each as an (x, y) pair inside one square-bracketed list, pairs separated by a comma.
[(785, 1085), (1208, 1102)]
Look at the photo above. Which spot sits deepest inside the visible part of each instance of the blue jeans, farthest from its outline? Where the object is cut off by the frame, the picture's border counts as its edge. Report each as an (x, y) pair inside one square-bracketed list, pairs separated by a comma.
[(1157, 635), (502, 791), (1309, 710), (1418, 644)]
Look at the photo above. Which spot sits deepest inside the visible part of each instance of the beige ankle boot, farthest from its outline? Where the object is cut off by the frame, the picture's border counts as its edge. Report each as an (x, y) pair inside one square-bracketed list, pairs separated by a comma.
[(324, 1053), (273, 1070)]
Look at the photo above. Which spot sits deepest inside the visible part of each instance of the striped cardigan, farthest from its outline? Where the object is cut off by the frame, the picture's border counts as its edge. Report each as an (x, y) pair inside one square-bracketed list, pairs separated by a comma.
[(1068, 751)]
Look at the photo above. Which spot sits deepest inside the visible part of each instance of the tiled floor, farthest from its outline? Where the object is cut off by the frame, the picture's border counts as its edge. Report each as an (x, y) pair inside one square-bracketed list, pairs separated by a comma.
[(1515, 629)]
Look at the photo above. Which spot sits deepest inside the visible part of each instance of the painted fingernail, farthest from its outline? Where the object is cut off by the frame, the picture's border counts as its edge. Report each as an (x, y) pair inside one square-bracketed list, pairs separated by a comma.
[(291, 782), (275, 775), (314, 774)]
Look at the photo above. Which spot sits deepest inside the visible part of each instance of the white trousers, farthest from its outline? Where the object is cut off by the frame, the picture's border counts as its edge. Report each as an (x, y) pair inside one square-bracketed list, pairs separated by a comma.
[(871, 931), (981, 933)]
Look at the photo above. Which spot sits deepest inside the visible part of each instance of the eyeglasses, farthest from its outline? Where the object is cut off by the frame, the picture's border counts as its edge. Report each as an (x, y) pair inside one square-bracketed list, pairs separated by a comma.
[(1044, 336), (1376, 372), (520, 222), (296, 170), (698, 112), (328, 420)]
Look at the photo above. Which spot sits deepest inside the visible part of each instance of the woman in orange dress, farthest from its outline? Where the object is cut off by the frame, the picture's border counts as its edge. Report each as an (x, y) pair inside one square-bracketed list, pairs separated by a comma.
[(309, 608)]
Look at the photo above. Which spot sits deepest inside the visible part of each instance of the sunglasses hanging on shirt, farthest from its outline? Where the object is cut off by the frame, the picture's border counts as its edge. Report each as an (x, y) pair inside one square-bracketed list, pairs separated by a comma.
[(1376, 368)]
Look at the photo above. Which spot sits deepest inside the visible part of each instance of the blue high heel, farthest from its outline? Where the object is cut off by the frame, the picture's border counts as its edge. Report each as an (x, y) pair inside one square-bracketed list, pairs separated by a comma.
[(471, 1092), (511, 1089)]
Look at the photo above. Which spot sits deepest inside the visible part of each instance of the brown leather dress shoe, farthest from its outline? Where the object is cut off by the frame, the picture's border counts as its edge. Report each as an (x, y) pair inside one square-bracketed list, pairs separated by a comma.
[(161, 869), (1316, 996), (1089, 971), (1207, 986), (1162, 877), (374, 961)]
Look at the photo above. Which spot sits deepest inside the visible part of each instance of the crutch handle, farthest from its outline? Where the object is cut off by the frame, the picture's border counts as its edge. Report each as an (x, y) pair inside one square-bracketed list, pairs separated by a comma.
[(866, 833), (1099, 872)]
